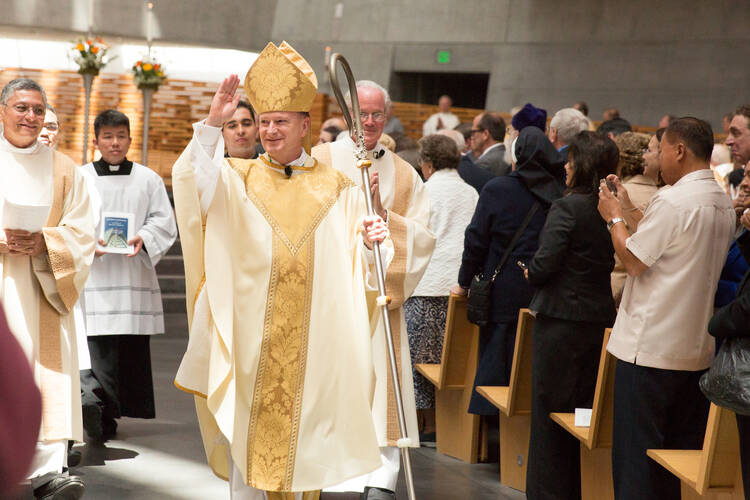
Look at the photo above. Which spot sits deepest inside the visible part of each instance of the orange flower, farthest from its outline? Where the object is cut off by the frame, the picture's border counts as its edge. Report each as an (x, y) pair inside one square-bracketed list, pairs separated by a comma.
[(147, 67), (138, 64), (79, 46), (89, 42), (94, 50), (157, 66), (99, 39)]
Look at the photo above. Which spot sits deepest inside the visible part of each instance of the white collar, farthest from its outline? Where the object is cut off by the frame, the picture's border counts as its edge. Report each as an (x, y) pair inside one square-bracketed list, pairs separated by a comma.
[(375, 153), (696, 175), (299, 162), (491, 147), (7, 146)]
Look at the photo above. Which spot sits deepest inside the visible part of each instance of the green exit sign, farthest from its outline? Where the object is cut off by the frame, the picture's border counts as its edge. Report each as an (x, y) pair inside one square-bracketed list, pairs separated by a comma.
[(444, 56)]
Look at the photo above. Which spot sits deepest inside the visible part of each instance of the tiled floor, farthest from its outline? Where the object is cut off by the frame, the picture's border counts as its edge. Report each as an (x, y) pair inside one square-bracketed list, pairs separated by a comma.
[(163, 459)]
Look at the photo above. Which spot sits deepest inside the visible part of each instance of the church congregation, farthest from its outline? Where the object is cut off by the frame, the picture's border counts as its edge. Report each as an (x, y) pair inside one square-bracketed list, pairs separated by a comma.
[(566, 296)]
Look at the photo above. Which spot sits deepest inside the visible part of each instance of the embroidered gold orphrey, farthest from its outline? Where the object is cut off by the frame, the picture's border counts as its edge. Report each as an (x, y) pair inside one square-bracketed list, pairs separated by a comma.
[(277, 399)]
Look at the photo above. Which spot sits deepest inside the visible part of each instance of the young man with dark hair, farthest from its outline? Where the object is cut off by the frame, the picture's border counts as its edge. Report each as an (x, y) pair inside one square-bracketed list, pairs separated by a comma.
[(659, 338), (122, 301), (240, 133)]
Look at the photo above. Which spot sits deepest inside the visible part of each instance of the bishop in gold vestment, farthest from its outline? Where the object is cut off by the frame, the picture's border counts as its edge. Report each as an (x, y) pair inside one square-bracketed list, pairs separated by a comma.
[(279, 356)]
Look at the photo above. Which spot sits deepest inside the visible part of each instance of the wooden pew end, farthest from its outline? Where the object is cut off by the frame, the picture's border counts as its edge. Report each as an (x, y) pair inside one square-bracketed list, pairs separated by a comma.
[(499, 396)]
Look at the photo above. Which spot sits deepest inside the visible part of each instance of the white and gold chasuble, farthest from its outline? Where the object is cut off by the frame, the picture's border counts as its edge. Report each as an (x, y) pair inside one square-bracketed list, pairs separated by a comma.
[(38, 293), (279, 354), (403, 195)]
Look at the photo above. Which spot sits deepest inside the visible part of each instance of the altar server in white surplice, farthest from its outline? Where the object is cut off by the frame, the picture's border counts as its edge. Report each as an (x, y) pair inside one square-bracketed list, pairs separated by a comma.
[(46, 249), (400, 198), (122, 300)]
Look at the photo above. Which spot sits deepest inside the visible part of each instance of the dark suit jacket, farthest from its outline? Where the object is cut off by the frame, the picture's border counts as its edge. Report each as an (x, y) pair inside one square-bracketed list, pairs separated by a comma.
[(474, 176), (733, 320), (572, 267), (502, 207), (494, 161)]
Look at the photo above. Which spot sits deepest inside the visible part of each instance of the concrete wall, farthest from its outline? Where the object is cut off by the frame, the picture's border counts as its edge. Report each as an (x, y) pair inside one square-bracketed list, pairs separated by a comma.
[(647, 58), (222, 23)]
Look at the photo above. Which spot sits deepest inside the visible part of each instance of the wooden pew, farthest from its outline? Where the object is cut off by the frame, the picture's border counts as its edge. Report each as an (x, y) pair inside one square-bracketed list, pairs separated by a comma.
[(714, 471), (457, 432), (596, 439), (514, 403)]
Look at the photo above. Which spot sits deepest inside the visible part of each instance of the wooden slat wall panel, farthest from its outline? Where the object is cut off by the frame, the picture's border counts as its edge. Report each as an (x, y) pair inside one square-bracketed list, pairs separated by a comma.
[(413, 115), (175, 107)]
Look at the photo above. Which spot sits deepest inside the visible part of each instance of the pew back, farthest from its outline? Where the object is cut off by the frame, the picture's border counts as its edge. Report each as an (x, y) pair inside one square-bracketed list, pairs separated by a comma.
[(457, 345), (599, 432), (600, 429), (519, 386), (715, 467), (515, 398), (721, 448), (457, 430)]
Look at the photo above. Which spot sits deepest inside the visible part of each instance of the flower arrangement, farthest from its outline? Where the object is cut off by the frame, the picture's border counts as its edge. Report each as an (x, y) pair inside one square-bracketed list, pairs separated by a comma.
[(147, 73), (90, 55)]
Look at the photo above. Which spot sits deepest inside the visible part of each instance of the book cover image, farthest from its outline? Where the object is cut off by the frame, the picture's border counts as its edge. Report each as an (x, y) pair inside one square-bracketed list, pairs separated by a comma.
[(116, 231)]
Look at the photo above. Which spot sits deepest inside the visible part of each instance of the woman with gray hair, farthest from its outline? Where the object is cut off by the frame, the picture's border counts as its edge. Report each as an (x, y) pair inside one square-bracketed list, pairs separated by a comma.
[(452, 203)]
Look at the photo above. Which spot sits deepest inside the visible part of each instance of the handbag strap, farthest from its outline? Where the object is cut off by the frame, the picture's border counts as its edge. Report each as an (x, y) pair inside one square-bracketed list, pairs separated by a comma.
[(515, 238)]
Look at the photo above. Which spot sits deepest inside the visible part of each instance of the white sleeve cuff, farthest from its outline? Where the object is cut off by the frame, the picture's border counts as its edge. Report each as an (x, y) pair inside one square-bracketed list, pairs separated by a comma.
[(206, 155), (386, 253), (207, 136)]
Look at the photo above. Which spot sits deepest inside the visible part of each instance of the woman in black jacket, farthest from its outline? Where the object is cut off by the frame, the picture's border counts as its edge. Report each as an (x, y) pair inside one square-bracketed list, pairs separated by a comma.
[(502, 207), (573, 304)]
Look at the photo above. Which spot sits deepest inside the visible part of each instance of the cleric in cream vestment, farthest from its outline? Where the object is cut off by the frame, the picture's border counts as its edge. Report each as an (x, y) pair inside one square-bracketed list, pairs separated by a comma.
[(279, 356), (404, 197), (38, 293)]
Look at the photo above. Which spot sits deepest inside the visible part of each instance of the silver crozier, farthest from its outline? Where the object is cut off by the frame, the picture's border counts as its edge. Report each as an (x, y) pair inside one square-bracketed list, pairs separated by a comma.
[(354, 121)]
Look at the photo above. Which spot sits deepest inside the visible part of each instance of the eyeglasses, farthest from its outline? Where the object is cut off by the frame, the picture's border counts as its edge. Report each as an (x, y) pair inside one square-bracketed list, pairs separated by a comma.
[(22, 109), (476, 130), (51, 126), (376, 116)]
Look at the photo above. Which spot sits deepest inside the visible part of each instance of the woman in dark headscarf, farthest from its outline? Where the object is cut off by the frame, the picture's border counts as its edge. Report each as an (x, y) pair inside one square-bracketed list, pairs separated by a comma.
[(505, 201)]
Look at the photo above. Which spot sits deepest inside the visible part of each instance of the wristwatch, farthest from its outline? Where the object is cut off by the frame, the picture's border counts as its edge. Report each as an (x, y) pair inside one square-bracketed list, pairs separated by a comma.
[(614, 221)]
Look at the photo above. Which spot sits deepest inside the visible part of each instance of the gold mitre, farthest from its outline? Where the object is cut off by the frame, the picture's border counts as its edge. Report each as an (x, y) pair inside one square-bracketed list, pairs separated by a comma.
[(280, 80)]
